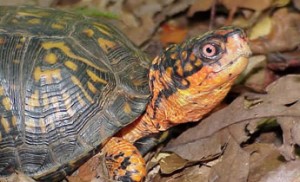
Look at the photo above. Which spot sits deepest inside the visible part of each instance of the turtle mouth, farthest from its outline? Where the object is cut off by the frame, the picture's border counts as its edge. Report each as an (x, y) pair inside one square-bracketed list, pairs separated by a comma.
[(237, 65)]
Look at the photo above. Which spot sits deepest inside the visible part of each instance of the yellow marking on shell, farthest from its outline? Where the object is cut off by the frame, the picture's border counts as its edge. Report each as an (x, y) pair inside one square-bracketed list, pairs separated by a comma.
[(16, 61), (79, 84), (30, 124), (188, 67), (106, 44), (67, 51), (48, 75), (34, 21), (102, 28), (2, 41), (68, 104), (91, 87), (18, 46), (14, 121), (198, 62), (45, 99), (23, 39), (57, 26), (95, 78), (5, 124), (34, 99), (0, 136), (80, 100), (71, 65), (127, 108), (42, 126), (6, 103), (22, 13), (88, 32), (50, 58), (1, 90), (14, 21)]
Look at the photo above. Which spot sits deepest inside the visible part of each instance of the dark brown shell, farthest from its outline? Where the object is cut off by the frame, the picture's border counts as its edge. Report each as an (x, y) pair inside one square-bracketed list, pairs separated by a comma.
[(67, 83)]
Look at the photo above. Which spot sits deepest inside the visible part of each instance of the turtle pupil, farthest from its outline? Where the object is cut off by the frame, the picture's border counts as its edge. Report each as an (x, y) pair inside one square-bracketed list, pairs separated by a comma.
[(209, 50)]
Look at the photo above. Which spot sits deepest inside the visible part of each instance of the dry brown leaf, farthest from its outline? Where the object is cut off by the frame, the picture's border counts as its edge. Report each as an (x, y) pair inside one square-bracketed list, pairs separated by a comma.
[(172, 33), (257, 5), (200, 5), (263, 158), (233, 167), (278, 39), (296, 4), (289, 172), (172, 163)]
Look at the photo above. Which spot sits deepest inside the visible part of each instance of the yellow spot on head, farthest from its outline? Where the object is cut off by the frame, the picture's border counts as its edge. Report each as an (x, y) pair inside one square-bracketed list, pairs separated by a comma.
[(106, 44), (5, 124), (127, 108), (57, 26), (174, 56), (88, 32), (50, 58), (71, 65), (184, 55), (188, 67), (192, 57), (95, 78), (169, 71), (6, 103), (198, 62), (91, 87), (34, 21)]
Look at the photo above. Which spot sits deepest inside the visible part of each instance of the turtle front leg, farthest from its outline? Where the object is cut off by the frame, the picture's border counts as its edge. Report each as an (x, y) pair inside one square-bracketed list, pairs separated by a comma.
[(123, 161)]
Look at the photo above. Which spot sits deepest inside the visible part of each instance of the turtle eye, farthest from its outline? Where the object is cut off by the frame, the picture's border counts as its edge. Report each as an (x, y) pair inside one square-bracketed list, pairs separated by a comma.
[(210, 50)]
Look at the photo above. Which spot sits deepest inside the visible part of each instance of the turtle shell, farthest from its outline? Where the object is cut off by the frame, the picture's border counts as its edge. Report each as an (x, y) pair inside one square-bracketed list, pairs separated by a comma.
[(67, 83)]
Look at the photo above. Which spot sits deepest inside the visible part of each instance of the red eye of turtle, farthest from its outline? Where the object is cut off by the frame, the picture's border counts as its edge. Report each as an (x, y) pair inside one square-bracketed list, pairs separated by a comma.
[(210, 50)]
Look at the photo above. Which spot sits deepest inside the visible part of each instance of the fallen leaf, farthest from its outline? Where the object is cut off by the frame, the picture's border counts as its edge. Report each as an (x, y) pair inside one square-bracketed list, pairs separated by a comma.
[(277, 39), (263, 158), (233, 167), (289, 172)]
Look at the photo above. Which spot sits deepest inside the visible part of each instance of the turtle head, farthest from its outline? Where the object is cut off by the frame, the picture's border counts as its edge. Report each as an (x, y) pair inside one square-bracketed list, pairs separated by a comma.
[(196, 75), (208, 60)]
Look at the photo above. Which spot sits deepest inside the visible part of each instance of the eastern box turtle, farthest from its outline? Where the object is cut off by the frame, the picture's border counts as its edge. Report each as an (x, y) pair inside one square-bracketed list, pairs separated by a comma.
[(68, 83)]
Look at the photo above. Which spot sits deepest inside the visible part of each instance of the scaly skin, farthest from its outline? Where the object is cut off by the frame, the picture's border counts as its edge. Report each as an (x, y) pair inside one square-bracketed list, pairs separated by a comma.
[(187, 82)]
